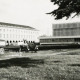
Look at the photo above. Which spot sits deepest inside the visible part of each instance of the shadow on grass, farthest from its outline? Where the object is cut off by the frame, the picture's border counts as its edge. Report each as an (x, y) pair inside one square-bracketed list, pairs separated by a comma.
[(57, 61), (22, 62), (74, 65), (73, 53)]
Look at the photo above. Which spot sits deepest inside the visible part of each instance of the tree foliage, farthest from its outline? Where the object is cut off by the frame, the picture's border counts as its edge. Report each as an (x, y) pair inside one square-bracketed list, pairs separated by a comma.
[(66, 8)]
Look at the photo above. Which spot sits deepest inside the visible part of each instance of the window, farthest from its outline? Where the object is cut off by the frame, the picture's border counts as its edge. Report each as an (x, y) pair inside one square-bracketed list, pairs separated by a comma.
[(7, 35), (7, 29), (0, 35), (4, 35), (4, 30)]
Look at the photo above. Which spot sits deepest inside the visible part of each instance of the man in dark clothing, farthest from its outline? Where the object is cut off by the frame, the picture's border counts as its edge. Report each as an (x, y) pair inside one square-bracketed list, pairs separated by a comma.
[(32, 46)]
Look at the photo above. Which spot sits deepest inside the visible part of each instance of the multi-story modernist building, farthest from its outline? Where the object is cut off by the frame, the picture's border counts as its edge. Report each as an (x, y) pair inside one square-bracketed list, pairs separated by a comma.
[(67, 29), (16, 33), (64, 33)]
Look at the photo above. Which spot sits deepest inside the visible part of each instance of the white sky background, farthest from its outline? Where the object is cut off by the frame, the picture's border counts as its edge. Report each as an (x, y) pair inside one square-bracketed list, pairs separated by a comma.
[(31, 13)]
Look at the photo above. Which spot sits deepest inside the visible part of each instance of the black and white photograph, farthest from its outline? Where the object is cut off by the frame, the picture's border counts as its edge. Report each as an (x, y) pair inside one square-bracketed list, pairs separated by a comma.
[(39, 39)]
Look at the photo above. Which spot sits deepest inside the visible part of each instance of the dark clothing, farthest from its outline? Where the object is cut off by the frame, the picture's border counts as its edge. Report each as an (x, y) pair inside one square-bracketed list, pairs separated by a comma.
[(32, 46)]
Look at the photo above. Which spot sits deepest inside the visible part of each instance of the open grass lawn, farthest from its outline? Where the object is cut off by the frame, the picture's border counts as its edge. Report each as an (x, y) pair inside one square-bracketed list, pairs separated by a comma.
[(56, 67)]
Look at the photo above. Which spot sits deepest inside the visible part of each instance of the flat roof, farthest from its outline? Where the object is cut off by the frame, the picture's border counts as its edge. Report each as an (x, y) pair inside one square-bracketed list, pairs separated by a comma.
[(55, 37), (67, 23), (17, 25)]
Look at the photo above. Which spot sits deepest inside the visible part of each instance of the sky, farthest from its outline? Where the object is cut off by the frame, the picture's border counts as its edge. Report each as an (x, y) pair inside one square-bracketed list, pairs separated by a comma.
[(30, 13)]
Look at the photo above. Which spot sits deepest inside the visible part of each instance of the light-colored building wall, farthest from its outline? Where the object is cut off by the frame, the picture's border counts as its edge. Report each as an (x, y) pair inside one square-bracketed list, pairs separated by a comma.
[(67, 29), (13, 32)]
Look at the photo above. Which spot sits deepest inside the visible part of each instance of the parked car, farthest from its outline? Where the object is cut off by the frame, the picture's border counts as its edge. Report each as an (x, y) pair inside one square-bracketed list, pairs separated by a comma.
[(32, 46)]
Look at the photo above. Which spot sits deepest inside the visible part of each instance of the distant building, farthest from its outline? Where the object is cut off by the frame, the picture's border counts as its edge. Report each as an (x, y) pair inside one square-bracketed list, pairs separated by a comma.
[(66, 29), (16, 33), (65, 33)]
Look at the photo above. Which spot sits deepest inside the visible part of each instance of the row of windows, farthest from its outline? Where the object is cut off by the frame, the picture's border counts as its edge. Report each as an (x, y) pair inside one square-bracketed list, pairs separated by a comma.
[(15, 36), (66, 32), (57, 40), (66, 25), (17, 30), (18, 41)]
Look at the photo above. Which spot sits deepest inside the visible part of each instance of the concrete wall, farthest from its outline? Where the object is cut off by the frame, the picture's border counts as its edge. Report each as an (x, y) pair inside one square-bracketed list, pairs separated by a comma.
[(68, 29)]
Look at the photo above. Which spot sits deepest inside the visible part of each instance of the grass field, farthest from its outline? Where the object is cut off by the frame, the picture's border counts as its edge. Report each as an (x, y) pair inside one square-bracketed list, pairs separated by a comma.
[(56, 67)]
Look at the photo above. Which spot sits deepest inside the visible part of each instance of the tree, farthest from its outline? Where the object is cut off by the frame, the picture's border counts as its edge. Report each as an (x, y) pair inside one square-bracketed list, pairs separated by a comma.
[(66, 8)]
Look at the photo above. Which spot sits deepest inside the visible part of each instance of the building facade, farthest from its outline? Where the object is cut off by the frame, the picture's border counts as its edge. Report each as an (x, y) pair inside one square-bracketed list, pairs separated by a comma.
[(17, 33), (66, 29), (65, 33)]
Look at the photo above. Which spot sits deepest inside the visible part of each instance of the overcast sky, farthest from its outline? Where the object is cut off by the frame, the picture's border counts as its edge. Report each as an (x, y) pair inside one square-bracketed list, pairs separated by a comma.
[(31, 13)]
